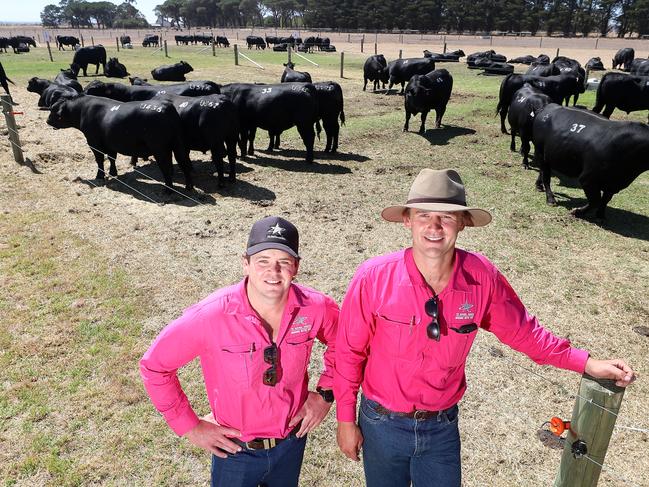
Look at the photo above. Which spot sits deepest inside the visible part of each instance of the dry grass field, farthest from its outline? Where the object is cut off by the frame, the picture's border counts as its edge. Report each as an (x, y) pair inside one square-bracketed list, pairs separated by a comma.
[(90, 273)]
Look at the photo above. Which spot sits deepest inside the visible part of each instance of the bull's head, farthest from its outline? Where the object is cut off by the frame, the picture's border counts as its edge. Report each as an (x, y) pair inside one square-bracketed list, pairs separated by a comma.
[(186, 67), (74, 67), (60, 115), (98, 88), (37, 85)]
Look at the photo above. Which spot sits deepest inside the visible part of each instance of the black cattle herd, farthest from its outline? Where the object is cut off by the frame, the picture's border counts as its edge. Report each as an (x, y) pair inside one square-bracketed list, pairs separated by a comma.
[(160, 121)]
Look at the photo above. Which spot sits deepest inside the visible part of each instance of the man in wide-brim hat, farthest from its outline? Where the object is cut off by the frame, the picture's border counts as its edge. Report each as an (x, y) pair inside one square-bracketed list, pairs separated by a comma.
[(406, 326)]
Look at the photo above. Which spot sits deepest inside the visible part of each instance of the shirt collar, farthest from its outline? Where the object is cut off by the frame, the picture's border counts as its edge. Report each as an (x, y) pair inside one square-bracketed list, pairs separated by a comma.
[(460, 278), (239, 303)]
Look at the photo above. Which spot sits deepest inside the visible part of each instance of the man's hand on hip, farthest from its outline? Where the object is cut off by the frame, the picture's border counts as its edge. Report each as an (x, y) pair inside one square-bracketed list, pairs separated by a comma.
[(311, 414), (214, 438), (350, 439)]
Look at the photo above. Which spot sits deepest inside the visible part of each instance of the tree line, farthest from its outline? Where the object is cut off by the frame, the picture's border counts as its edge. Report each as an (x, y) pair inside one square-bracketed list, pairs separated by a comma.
[(563, 17)]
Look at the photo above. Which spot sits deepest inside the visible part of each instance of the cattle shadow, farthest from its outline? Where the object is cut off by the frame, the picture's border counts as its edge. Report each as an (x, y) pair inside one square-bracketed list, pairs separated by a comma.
[(563, 180), (616, 220), (443, 135), (293, 160)]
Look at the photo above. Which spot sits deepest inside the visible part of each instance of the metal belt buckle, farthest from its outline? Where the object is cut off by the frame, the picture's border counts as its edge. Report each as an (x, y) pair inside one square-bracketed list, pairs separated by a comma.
[(419, 414), (269, 443)]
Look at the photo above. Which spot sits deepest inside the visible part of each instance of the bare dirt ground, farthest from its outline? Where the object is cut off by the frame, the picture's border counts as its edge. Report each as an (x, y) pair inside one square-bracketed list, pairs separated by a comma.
[(587, 282)]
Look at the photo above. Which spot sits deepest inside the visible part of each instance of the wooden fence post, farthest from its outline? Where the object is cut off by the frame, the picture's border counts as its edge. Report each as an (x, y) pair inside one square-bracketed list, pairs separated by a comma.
[(166, 53), (593, 419), (596, 42), (7, 109), (342, 63), (375, 49), (117, 43), (213, 47), (362, 40), (557, 53), (400, 53), (444, 51), (81, 39), (92, 40), (236, 55), (49, 50), (288, 50), (541, 42)]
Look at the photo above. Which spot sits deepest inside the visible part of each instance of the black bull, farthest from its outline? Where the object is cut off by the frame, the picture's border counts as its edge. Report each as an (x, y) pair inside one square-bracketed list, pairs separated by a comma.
[(606, 156)]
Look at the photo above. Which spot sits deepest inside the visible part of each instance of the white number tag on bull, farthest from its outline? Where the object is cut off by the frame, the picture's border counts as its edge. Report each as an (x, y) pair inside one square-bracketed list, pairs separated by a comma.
[(161, 92), (114, 107), (183, 104), (198, 87), (405, 61), (210, 104), (266, 90), (299, 88), (577, 127), (148, 106), (520, 99)]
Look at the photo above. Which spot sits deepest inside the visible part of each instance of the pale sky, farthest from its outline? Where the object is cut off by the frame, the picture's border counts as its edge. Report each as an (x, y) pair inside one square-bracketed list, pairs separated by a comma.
[(30, 10)]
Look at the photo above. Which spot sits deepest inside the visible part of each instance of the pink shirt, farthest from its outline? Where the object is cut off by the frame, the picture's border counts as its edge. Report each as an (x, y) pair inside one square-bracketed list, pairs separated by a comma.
[(227, 334), (382, 343)]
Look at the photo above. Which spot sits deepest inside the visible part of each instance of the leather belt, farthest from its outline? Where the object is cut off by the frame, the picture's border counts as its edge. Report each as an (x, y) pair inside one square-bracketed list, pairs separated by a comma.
[(264, 443), (418, 414)]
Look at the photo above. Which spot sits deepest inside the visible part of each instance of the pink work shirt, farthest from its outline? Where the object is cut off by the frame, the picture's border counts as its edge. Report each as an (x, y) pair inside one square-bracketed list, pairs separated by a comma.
[(227, 334), (382, 343)]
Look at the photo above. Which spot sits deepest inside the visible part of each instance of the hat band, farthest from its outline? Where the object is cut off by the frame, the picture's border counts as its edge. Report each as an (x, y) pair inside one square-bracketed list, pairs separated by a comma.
[(436, 200)]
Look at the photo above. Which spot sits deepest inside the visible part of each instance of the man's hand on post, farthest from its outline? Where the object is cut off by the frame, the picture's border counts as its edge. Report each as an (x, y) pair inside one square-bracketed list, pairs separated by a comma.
[(611, 369), (311, 414), (350, 439), (211, 436)]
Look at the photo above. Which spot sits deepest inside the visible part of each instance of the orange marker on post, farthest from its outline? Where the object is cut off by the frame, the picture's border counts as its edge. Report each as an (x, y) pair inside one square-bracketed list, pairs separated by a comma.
[(558, 426)]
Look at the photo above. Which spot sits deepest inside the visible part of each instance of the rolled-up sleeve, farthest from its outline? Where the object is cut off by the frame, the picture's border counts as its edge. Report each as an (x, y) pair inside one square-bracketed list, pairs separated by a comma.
[(178, 344), (355, 329), (327, 335), (510, 321)]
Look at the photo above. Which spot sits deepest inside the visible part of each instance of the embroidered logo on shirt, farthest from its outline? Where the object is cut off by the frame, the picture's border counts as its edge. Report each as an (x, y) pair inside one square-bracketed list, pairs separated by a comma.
[(465, 312), (300, 325)]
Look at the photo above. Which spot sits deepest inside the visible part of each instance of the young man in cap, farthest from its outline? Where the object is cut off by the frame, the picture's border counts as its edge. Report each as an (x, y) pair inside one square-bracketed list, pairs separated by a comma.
[(406, 325), (254, 341)]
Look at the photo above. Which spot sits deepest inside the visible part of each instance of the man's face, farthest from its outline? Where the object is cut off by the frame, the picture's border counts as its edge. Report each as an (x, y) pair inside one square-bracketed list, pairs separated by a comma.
[(270, 273), (433, 232)]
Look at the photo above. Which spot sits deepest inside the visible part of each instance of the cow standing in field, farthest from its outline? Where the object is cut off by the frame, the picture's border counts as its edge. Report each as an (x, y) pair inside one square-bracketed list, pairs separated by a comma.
[(595, 64), (122, 92), (171, 72), (136, 129), (274, 108), (624, 91), (401, 70), (256, 41), (624, 57), (151, 40), (88, 55), (123, 40), (427, 92), (290, 75), (66, 41), (222, 41), (526, 103), (16, 41), (375, 69), (558, 88), (567, 66), (604, 155)]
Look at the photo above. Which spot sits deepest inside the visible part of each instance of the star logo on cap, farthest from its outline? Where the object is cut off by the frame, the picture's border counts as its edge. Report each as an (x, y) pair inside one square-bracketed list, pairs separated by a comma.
[(276, 231)]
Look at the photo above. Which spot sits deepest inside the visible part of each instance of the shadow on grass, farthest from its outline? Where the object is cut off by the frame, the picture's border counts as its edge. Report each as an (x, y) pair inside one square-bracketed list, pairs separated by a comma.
[(145, 183), (622, 222), (443, 135), (296, 163)]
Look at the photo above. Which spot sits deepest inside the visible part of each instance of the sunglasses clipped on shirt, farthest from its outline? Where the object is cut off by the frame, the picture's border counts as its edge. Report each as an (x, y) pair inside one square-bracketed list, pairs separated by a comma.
[(273, 374), (432, 309)]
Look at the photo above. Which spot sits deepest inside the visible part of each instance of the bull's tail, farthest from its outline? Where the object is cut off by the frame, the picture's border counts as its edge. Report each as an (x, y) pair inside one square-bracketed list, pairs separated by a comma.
[(501, 94), (342, 117), (318, 128)]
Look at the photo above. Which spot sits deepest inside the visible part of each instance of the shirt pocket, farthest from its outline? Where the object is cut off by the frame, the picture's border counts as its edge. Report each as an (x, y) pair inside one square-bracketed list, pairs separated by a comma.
[(395, 335), (237, 361), (295, 359), (455, 345)]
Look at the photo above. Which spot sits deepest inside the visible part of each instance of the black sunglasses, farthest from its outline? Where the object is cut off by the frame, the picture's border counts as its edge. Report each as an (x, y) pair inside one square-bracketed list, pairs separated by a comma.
[(432, 310), (271, 356)]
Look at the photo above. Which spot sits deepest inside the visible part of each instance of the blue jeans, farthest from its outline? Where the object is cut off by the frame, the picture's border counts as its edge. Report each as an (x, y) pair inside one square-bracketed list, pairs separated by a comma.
[(398, 450), (277, 467)]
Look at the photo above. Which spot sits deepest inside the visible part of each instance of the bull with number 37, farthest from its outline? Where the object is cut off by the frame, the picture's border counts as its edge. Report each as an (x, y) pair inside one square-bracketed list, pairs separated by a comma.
[(606, 156)]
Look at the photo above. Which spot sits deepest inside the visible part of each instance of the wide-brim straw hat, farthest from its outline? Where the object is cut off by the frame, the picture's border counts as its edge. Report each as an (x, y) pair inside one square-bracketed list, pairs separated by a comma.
[(441, 190)]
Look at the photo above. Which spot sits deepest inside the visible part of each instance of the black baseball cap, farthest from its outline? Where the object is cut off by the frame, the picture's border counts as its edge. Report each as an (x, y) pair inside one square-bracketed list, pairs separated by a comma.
[(273, 232)]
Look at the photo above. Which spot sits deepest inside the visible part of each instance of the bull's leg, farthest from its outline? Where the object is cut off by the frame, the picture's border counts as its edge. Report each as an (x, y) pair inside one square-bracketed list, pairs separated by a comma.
[(594, 197), (328, 128), (335, 130), (525, 150), (606, 197), (512, 144), (271, 139), (546, 174), (575, 97), (503, 115), (389, 86), (231, 144), (364, 83), (538, 161), (308, 137), (608, 110), (242, 139), (217, 160), (422, 127), (99, 158), (111, 159), (277, 142), (166, 167), (251, 140), (403, 88), (439, 112), (405, 125), (134, 161)]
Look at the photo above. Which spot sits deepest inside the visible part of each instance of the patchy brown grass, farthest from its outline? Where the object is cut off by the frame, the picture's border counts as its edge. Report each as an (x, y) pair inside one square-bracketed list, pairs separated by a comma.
[(89, 276)]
